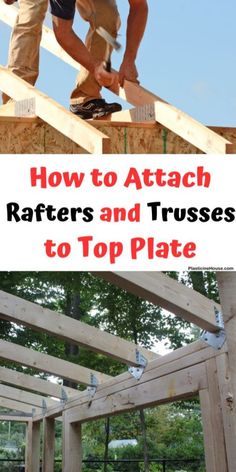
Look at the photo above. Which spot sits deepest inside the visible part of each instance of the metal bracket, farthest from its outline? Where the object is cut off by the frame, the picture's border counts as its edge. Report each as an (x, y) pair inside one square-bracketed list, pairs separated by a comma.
[(91, 390), (140, 359), (25, 107), (136, 372), (44, 407), (64, 396), (215, 340), (93, 380)]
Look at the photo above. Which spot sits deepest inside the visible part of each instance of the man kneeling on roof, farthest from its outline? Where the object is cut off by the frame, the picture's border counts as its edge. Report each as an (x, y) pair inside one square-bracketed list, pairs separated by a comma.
[(85, 100)]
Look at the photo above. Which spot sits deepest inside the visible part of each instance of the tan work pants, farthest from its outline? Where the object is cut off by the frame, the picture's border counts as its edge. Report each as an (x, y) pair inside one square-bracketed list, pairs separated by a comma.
[(108, 17), (25, 42), (23, 57)]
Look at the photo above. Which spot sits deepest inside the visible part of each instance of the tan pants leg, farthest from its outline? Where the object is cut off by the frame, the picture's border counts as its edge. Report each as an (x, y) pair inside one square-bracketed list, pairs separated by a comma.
[(23, 57), (108, 17)]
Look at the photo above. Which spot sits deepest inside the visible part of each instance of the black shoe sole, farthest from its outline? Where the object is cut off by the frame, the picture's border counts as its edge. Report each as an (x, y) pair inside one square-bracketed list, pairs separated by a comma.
[(98, 114)]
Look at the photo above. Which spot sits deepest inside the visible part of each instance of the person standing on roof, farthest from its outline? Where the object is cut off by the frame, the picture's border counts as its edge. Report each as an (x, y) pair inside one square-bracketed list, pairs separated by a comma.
[(85, 100)]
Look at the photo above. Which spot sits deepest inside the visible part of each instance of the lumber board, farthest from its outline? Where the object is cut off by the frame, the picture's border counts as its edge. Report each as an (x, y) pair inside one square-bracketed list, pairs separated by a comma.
[(32, 399), (228, 409), (35, 136), (46, 363), (216, 419), (48, 444), (30, 382), (19, 406), (191, 130), (72, 446), (32, 452), (30, 314), (167, 293), (210, 458), (56, 115), (227, 290), (7, 110), (169, 116), (16, 418), (174, 362), (169, 388)]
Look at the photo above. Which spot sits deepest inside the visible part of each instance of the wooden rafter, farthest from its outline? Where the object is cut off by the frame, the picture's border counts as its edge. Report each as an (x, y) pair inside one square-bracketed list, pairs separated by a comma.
[(45, 363), (161, 290), (35, 384), (17, 418), (167, 115), (184, 358), (18, 406), (167, 389), (56, 115), (21, 311), (32, 399)]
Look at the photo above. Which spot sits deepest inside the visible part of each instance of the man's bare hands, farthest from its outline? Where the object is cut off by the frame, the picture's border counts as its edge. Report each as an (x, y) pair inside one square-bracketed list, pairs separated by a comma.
[(9, 2), (104, 78), (128, 71)]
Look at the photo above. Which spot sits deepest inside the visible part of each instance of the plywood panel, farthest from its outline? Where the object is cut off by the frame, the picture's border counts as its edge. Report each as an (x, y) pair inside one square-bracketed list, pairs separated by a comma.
[(30, 135)]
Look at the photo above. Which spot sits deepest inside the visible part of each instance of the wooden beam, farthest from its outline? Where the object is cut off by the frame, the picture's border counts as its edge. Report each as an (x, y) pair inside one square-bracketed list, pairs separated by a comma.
[(182, 358), (32, 452), (52, 365), (227, 290), (19, 406), (191, 130), (216, 420), (169, 388), (167, 293), (56, 115), (20, 311), (48, 444), (30, 382), (21, 396), (172, 118), (228, 409), (72, 446), (208, 434), (16, 418)]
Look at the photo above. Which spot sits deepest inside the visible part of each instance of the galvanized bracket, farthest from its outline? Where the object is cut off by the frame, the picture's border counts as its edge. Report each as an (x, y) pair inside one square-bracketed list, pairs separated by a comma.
[(25, 107), (216, 340), (140, 359), (64, 396), (91, 390), (137, 372), (44, 407)]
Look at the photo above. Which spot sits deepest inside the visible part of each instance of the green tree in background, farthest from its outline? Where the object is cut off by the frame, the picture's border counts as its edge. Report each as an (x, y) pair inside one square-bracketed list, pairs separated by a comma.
[(172, 431)]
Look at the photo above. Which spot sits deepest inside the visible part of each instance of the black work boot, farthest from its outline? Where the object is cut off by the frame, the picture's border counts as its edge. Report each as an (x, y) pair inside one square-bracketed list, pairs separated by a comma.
[(94, 109)]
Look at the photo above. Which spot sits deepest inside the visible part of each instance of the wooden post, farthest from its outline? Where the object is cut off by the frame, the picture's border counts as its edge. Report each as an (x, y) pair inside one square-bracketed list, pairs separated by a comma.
[(32, 453), (227, 290), (228, 409), (48, 444), (226, 364), (215, 452), (72, 446)]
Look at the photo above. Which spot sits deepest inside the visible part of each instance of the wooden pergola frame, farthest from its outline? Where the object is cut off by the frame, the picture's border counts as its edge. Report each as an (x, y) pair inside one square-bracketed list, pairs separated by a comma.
[(149, 107), (195, 369)]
